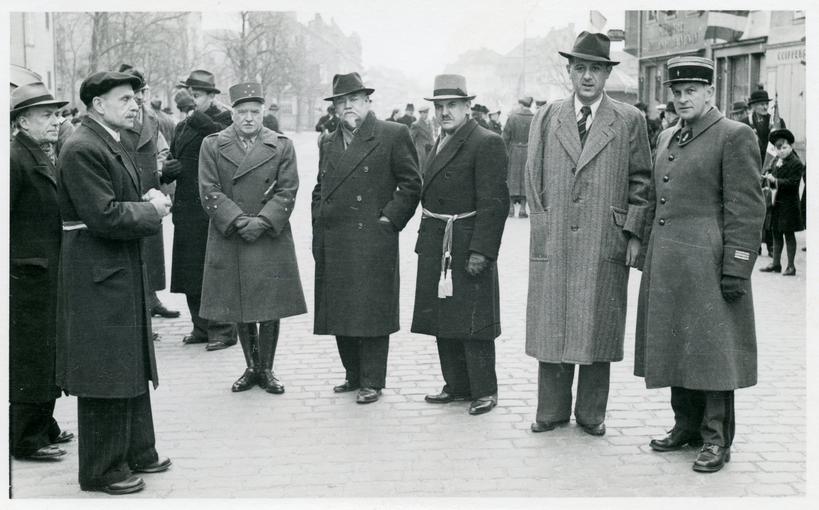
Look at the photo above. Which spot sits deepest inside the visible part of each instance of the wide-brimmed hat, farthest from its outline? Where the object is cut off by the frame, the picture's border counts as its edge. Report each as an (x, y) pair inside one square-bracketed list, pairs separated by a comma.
[(202, 80), (99, 83), (594, 47), (759, 96), (344, 84), (33, 94), (781, 133), (688, 68), (739, 107), (245, 92), (449, 86), (526, 101)]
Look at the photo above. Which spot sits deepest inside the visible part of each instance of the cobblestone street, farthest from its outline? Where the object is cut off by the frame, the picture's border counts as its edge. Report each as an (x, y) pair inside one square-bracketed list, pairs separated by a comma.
[(310, 442)]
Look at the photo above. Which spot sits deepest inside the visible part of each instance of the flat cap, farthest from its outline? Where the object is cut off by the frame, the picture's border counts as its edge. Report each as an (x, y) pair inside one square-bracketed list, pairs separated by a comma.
[(99, 83)]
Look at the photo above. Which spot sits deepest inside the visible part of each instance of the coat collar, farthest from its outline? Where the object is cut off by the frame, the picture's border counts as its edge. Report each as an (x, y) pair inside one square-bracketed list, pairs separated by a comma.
[(263, 150), (43, 164), (699, 126), (438, 161), (145, 130), (115, 147), (345, 161)]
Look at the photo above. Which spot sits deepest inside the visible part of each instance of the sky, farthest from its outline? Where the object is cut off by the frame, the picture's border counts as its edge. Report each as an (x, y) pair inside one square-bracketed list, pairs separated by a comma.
[(422, 37)]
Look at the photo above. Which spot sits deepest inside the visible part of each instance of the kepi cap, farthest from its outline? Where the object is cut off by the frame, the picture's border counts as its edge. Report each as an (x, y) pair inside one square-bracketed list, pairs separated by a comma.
[(245, 92), (687, 68)]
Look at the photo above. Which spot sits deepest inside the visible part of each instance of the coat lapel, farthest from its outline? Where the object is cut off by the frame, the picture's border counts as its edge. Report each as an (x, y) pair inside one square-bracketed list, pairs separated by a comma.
[(567, 133), (116, 148), (364, 142), (438, 161), (600, 133), (263, 150), (43, 165), (702, 124)]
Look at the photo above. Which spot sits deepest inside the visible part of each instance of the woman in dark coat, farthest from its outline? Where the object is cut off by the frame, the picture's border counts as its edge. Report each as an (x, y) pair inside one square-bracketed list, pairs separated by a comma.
[(786, 216)]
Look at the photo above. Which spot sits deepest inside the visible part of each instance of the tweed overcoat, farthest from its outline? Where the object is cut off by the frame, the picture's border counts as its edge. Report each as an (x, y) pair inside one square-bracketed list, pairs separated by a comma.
[(585, 202), (468, 174), (104, 344), (516, 137), (141, 143), (258, 281), (190, 236), (707, 224), (34, 256), (357, 280), (786, 214)]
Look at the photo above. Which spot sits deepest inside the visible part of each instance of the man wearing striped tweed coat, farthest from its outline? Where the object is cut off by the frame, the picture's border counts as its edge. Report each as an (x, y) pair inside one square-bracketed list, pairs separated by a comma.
[(587, 182)]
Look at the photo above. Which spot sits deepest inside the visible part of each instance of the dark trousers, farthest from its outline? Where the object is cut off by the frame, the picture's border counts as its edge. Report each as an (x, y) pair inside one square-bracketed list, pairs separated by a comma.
[(779, 246), (115, 435), (364, 359), (31, 427), (214, 331), (468, 367), (554, 395), (711, 413)]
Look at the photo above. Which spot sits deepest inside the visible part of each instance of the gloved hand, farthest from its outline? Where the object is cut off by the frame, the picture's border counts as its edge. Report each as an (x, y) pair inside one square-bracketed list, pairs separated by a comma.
[(161, 202), (254, 228), (171, 170), (476, 264), (733, 288)]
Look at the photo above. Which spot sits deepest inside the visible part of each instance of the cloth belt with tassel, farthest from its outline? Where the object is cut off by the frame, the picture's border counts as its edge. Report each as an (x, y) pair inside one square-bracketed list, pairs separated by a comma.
[(445, 282)]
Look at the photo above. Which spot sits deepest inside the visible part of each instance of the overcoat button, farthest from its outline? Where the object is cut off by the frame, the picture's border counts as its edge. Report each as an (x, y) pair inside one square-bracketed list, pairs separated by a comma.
[(358, 198), (671, 157), (360, 226), (661, 222), (366, 169), (662, 200), (665, 178), (574, 228)]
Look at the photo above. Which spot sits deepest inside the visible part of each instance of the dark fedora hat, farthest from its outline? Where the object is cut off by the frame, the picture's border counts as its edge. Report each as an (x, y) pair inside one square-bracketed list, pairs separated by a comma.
[(201, 80), (759, 96), (246, 92), (99, 83), (588, 46), (449, 86), (129, 69), (781, 133), (344, 84), (739, 107), (32, 94)]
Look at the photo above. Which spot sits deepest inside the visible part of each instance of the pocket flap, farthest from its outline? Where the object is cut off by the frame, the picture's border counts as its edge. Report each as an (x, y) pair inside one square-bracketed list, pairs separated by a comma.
[(100, 274), (619, 216)]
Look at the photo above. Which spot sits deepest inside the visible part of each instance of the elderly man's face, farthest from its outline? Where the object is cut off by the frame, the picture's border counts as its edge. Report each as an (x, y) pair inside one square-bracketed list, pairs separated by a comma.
[(40, 123), (588, 78), (451, 113), (760, 108), (248, 117), (117, 107), (352, 108)]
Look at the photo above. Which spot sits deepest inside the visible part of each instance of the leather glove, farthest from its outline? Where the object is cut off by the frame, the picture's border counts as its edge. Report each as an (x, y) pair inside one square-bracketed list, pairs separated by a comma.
[(476, 264), (254, 228), (171, 170), (733, 287)]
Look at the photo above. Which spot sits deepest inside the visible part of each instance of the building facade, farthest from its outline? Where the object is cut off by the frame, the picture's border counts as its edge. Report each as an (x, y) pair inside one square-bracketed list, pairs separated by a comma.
[(32, 44)]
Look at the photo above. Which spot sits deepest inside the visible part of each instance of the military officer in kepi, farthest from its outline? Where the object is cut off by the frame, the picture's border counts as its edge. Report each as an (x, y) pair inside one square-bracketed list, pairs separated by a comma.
[(247, 183)]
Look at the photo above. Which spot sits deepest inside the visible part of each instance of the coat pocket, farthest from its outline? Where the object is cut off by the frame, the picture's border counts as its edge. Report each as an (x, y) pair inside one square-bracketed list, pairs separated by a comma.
[(539, 235), (100, 274), (615, 238)]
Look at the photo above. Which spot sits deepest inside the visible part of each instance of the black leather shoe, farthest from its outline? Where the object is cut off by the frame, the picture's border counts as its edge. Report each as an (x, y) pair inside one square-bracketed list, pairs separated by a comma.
[(160, 311), (161, 464), (127, 486), (445, 398), (345, 387), (539, 426), (675, 440), (45, 453), (193, 339), (711, 458), (483, 405), (367, 395), (772, 268), (594, 430), (789, 271), (155, 337), (269, 382), (218, 345), (247, 381), (64, 437)]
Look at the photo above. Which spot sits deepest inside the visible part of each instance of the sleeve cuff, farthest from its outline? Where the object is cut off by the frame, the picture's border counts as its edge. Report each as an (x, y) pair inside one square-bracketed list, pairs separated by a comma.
[(738, 261)]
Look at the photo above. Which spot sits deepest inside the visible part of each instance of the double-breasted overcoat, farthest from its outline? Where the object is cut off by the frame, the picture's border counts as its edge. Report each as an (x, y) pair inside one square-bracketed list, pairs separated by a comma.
[(249, 281), (516, 137), (468, 174), (356, 279), (104, 344), (707, 222), (585, 201), (34, 256)]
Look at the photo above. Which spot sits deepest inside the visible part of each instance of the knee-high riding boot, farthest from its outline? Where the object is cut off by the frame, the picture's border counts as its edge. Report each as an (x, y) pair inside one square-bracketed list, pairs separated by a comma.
[(248, 339), (268, 339)]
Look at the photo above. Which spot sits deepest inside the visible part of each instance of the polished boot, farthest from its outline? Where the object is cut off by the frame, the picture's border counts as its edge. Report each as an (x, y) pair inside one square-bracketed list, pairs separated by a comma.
[(249, 342), (675, 440), (268, 340), (771, 268), (711, 458)]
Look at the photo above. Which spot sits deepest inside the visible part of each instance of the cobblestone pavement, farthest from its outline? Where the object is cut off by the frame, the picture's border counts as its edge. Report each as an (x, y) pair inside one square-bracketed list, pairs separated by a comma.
[(310, 442)]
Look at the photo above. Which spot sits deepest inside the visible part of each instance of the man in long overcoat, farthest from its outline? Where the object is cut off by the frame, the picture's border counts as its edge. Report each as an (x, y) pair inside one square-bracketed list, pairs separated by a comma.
[(141, 141), (105, 355), (464, 200), (247, 183), (34, 254), (421, 134), (695, 318), (203, 118), (368, 188), (588, 174), (516, 137)]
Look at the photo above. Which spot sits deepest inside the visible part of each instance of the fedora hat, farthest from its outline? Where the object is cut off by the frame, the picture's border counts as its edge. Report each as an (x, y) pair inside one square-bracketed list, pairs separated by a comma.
[(588, 46), (449, 86), (759, 96), (739, 107), (781, 133), (33, 94), (344, 84), (245, 92), (202, 80)]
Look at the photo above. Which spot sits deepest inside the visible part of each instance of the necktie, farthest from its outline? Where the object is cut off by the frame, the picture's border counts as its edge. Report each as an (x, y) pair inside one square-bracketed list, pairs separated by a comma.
[(585, 111), (246, 143)]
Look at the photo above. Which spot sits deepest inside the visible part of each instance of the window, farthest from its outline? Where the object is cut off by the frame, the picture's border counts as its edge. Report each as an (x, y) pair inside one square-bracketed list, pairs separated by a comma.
[(798, 15)]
